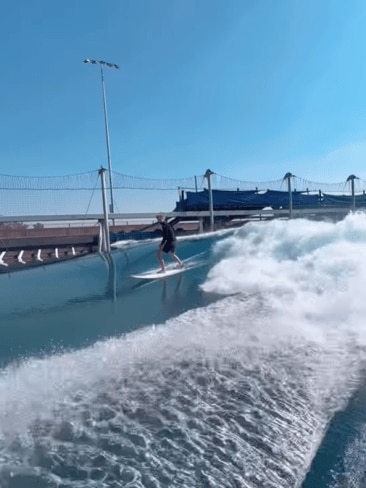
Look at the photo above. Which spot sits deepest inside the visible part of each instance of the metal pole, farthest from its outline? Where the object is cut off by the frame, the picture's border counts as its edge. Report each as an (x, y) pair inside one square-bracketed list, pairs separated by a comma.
[(208, 176), (111, 207), (288, 176), (352, 178), (110, 65), (106, 245)]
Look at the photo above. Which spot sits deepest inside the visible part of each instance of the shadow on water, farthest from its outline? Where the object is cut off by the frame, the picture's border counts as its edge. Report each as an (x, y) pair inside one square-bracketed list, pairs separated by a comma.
[(73, 304)]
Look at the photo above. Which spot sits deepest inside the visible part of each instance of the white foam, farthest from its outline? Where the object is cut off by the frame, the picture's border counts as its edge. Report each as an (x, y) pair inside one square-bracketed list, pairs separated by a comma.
[(319, 266)]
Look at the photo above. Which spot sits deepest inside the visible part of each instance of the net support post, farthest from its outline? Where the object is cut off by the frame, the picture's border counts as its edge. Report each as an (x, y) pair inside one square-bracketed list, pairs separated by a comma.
[(105, 244), (288, 177), (351, 179), (208, 175)]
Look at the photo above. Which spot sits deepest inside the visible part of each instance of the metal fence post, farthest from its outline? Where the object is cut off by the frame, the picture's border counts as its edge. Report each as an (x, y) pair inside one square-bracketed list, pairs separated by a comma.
[(208, 176), (106, 245), (288, 177), (352, 178)]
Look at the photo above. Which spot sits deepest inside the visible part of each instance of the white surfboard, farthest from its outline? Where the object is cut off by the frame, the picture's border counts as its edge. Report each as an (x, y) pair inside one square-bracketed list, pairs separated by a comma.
[(154, 275)]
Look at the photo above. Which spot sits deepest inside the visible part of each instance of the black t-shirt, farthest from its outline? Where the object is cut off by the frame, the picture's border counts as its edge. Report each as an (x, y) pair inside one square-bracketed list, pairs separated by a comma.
[(168, 232)]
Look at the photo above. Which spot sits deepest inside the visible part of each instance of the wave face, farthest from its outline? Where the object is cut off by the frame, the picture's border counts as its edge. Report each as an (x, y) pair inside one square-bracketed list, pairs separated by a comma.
[(241, 392)]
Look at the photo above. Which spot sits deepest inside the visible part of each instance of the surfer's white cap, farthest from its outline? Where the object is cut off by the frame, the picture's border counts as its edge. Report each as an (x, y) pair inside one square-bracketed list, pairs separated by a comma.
[(159, 215)]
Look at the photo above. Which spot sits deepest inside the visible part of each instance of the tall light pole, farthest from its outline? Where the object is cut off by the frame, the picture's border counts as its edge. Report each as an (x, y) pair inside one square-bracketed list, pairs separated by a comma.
[(110, 65)]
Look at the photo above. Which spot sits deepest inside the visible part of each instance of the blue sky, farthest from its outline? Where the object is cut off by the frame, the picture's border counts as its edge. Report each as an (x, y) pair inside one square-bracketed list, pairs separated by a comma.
[(249, 89)]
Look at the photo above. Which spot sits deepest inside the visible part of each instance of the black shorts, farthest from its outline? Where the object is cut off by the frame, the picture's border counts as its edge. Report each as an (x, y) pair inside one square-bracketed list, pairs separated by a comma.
[(169, 246)]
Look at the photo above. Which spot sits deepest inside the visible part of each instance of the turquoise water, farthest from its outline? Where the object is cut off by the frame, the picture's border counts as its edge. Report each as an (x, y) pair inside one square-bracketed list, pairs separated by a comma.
[(246, 370)]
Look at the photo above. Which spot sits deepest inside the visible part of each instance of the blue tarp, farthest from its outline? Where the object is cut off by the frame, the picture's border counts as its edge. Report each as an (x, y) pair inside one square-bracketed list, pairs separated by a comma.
[(250, 200), (343, 200), (222, 200)]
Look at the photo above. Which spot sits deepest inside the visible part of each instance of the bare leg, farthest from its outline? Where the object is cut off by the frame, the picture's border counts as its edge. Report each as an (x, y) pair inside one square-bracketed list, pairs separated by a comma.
[(161, 260), (176, 259)]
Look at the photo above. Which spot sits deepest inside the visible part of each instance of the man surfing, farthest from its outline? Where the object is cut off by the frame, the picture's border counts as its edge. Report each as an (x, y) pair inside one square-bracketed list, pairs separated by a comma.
[(168, 244)]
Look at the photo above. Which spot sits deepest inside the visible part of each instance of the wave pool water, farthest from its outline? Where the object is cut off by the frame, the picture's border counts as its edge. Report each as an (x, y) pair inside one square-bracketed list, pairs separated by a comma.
[(245, 371)]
